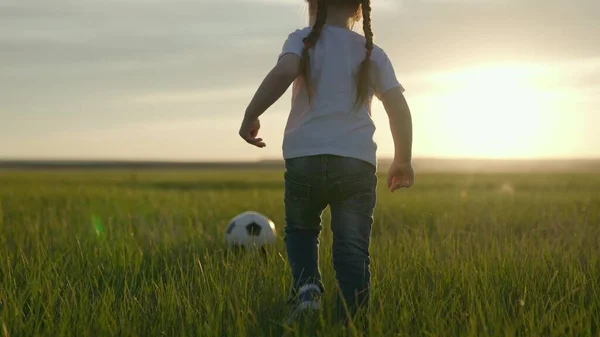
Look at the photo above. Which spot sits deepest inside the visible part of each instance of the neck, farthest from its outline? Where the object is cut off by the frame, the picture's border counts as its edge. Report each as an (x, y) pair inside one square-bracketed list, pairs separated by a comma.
[(335, 17), (340, 18)]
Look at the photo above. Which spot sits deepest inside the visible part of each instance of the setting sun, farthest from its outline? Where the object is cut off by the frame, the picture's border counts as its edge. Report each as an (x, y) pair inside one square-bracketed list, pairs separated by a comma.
[(490, 111), (496, 112)]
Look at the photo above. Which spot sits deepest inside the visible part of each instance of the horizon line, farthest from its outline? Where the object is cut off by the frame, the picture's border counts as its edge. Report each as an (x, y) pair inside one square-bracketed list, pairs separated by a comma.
[(267, 159)]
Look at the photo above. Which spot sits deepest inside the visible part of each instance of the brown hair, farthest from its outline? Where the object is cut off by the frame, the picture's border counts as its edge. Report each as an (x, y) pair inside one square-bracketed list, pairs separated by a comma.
[(311, 40)]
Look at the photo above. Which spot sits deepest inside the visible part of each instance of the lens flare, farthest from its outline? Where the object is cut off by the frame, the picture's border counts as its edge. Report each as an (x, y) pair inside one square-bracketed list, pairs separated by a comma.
[(97, 224)]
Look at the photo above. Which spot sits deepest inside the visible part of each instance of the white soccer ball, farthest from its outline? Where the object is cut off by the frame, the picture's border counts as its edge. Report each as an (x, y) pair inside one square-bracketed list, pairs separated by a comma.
[(250, 230)]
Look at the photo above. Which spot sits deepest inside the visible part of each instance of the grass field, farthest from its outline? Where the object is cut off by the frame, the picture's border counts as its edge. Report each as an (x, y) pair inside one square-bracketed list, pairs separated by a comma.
[(115, 253)]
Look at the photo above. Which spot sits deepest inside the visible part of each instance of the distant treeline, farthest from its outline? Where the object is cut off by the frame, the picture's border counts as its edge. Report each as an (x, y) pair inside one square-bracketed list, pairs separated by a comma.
[(134, 165), (420, 164)]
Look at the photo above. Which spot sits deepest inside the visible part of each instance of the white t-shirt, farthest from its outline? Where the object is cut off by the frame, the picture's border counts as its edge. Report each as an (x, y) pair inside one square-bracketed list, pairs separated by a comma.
[(333, 125)]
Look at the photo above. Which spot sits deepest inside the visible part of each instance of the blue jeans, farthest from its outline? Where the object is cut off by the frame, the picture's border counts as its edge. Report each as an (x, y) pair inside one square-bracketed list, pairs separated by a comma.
[(348, 187)]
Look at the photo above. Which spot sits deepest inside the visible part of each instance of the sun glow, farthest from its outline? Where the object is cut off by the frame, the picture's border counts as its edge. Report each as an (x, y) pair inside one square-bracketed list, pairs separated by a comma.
[(491, 112)]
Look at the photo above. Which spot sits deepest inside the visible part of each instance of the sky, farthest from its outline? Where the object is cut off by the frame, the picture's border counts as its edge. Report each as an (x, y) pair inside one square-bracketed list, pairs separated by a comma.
[(170, 80)]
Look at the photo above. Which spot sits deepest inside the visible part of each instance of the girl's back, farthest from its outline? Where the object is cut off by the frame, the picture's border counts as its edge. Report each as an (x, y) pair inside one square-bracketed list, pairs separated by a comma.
[(329, 121)]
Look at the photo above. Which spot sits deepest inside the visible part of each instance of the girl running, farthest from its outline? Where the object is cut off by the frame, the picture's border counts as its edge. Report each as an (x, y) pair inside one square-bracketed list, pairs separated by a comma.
[(328, 146)]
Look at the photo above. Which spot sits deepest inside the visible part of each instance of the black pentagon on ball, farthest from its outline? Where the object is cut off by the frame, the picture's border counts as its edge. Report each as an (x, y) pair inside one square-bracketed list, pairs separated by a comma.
[(230, 228), (253, 229)]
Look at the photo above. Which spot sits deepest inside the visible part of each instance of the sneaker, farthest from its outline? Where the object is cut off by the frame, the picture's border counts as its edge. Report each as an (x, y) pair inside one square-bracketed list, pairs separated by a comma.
[(307, 302)]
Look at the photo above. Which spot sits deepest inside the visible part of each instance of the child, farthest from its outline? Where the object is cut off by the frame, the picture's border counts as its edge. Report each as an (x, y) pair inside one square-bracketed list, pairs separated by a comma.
[(328, 147)]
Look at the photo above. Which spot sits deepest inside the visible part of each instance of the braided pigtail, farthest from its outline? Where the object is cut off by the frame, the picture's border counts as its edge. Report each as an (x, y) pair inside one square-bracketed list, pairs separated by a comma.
[(363, 73), (311, 41)]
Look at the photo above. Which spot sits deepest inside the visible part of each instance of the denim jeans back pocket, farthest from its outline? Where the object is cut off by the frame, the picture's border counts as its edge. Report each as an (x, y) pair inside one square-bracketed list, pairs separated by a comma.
[(358, 193), (295, 188)]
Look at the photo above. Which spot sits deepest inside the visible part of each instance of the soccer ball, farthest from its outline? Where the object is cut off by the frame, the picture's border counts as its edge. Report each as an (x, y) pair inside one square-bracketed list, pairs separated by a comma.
[(250, 230)]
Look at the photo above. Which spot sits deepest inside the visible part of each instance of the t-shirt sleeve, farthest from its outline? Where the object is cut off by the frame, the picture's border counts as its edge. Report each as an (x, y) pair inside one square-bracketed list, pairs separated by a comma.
[(293, 44), (384, 75)]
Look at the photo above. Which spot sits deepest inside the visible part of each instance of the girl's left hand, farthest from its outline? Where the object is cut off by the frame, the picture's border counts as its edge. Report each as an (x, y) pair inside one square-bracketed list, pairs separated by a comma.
[(249, 132)]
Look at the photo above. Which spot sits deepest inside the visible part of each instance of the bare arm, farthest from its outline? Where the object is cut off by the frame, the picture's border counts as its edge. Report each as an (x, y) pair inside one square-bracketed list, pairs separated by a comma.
[(274, 86), (400, 124)]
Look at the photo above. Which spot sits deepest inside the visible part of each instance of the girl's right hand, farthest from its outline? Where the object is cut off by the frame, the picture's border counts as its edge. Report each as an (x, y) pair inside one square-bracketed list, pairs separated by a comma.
[(400, 175), (249, 132)]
